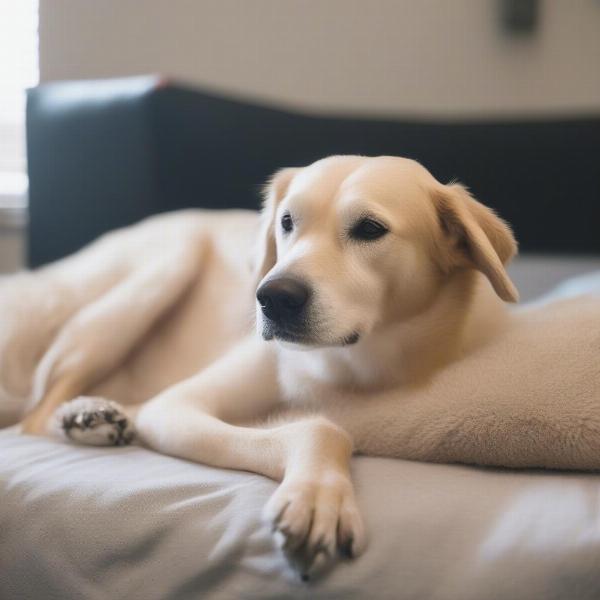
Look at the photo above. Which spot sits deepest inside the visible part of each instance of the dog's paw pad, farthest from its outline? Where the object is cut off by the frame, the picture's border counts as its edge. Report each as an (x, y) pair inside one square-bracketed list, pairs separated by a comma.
[(94, 421)]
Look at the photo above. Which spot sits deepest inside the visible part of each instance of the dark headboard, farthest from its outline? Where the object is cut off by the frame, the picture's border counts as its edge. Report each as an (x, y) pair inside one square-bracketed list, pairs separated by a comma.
[(103, 154)]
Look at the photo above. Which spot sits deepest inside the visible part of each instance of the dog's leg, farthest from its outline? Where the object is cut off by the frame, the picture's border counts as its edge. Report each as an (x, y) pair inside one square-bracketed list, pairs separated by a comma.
[(101, 335), (314, 509)]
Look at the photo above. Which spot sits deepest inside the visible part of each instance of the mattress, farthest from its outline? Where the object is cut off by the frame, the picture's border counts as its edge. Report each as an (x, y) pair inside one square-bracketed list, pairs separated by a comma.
[(93, 523)]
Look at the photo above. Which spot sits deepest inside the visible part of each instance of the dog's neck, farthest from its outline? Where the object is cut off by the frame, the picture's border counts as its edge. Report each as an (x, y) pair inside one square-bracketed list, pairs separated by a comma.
[(466, 314)]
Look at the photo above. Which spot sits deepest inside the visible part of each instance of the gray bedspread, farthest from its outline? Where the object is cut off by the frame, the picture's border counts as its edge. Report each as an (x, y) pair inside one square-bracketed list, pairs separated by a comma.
[(87, 523)]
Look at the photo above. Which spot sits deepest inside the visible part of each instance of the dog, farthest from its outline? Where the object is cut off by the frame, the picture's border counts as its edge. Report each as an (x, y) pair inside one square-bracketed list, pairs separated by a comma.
[(364, 310)]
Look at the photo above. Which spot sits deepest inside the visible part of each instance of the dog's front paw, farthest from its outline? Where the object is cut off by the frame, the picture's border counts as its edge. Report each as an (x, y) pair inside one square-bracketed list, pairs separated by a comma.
[(94, 421), (316, 519)]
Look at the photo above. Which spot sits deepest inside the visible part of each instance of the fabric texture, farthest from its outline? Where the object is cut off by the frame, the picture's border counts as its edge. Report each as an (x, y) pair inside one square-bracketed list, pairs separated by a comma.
[(81, 522)]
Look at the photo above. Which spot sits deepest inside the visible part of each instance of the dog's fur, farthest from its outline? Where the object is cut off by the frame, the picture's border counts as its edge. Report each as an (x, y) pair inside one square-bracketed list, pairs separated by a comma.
[(407, 348)]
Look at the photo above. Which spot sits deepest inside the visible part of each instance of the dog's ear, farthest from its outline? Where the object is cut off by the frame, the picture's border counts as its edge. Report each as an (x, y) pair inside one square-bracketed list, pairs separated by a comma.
[(473, 236), (273, 192)]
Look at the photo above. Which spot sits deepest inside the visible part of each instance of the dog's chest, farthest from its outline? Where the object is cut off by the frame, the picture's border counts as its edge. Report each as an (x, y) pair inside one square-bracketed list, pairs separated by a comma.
[(314, 377)]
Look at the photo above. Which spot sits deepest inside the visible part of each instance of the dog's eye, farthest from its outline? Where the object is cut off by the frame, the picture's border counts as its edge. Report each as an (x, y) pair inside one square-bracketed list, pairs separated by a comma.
[(367, 229), (286, 223)]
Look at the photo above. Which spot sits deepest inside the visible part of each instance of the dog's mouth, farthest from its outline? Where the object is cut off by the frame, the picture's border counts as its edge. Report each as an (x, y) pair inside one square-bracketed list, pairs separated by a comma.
[(272, 332), (351, 339)]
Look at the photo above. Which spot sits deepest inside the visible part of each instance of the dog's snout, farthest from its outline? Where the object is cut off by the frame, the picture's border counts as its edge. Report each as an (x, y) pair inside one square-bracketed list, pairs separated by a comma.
[(283, 299)]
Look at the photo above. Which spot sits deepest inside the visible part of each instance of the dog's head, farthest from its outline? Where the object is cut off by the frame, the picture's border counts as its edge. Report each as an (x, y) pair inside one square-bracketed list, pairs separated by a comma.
[(350, 244)]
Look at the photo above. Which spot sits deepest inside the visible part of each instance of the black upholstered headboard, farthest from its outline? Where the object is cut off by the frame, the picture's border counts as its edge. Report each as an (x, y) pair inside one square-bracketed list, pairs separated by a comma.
[(103, 154)]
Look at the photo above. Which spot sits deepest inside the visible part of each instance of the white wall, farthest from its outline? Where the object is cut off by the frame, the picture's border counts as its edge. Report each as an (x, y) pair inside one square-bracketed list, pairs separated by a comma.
[(393, 56)]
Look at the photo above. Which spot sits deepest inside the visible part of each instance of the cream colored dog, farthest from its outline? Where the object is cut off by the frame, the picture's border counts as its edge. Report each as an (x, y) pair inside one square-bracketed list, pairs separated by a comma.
[(379, 299)]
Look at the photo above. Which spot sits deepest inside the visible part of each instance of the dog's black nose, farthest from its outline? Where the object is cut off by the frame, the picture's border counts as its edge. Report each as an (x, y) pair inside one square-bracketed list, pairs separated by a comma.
[(282, 299)]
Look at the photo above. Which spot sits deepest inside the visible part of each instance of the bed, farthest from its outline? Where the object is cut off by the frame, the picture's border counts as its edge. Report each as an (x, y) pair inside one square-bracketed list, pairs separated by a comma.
[(80, 522), (86, 523)]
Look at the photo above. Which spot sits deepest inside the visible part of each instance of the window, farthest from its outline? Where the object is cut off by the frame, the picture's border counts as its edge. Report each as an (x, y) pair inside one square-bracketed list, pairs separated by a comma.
[(18, 71)]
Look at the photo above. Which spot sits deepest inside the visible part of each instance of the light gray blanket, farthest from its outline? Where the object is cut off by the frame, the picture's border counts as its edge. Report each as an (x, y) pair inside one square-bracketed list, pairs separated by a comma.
[(91, 523)]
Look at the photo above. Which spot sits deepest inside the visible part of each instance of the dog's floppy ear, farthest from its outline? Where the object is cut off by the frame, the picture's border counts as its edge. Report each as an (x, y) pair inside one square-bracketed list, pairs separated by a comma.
[(475, 237), (273, 192)]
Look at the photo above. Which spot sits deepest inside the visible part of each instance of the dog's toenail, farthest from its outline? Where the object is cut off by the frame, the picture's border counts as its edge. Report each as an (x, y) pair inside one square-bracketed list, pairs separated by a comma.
[(346, 549)]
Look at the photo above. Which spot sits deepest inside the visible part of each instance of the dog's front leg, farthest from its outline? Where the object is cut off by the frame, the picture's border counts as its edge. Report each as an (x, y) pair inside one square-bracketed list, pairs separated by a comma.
[(314, 509)]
